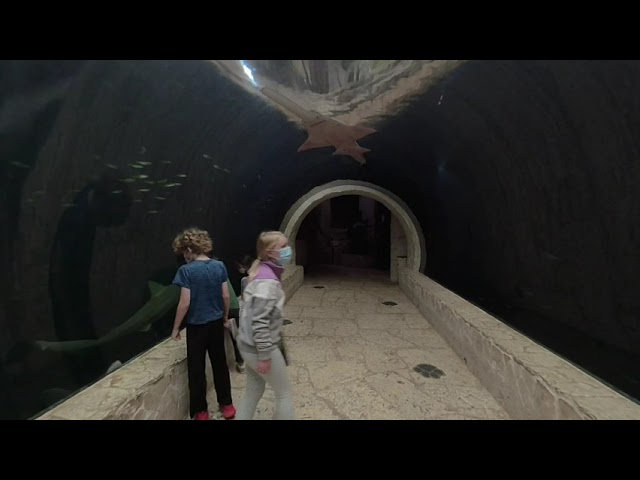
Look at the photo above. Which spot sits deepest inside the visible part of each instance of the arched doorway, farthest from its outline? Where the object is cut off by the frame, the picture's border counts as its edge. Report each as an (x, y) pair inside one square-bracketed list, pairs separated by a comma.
[(407, 239)]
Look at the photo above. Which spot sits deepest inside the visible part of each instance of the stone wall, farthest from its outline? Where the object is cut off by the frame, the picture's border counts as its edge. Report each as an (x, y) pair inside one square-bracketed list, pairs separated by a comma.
[(529, 381), (398, 247), (153, 386)]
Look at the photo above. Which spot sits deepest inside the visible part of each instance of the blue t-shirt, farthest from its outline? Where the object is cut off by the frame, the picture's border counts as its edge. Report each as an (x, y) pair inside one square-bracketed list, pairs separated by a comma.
[(204, 278)]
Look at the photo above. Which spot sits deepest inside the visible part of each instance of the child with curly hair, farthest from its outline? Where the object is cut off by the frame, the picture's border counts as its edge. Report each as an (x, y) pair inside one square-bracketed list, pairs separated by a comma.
[(204, 301)]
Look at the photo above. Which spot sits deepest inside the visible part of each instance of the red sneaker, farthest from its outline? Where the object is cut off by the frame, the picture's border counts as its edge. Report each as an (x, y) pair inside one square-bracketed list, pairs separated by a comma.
[(201, 416), (228, 411)]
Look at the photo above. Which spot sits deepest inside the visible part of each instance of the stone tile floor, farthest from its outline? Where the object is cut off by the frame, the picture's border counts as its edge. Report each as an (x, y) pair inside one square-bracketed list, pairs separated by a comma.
[(354, 358)]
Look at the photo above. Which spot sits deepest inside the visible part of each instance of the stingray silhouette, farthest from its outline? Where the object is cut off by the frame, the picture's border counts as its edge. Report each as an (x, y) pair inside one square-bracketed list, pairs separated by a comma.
[(324, 131)]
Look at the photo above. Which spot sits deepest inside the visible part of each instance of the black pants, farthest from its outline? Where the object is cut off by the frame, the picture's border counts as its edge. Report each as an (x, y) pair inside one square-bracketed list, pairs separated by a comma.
[(203, 339), (234, 314)]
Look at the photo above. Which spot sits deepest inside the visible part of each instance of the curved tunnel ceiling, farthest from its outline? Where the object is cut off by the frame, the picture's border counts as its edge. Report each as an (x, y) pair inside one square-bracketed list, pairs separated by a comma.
[(349, 91), (523, 175)]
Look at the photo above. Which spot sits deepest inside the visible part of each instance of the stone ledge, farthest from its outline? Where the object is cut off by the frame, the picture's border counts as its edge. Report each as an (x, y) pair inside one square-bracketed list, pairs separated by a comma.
[(292, 279), (152, 386), (529, 381)]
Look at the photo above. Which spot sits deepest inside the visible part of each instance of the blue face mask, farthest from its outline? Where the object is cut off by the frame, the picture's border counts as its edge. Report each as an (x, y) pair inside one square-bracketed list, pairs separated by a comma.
[(286, 254)]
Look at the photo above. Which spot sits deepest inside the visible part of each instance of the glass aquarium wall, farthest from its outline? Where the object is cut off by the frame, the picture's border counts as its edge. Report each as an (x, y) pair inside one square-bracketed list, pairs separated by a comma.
[(101, 164)]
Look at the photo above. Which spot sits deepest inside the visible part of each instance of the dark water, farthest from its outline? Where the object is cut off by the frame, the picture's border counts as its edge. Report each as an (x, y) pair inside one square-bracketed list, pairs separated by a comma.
[(613, 366), (101, 164), (56, 217)]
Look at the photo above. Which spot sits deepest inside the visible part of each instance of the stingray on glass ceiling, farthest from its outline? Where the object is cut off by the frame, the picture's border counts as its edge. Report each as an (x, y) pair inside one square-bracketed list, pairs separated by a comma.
[(324, 131)]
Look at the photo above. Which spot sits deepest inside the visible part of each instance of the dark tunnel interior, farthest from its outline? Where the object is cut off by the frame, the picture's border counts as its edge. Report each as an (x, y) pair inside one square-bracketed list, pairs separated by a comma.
[(348, 232), (522, 174)]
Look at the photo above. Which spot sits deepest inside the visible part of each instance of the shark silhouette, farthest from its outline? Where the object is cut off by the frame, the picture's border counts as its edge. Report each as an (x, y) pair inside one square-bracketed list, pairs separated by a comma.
[(163, 299), (324, 131)]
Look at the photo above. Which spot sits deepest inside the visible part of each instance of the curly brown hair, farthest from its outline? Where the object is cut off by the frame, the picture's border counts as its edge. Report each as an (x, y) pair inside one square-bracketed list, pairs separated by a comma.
[(195, 239)]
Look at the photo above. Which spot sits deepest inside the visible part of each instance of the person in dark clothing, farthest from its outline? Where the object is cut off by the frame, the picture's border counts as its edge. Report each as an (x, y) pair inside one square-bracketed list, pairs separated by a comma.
[(244, 264), (234, 316), (234, 312)]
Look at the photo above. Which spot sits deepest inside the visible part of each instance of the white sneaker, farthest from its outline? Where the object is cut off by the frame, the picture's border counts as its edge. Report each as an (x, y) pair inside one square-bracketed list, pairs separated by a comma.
[(239, 368)]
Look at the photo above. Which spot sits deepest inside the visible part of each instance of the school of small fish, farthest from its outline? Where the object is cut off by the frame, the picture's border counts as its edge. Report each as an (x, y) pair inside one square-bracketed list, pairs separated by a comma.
[(164, 183)]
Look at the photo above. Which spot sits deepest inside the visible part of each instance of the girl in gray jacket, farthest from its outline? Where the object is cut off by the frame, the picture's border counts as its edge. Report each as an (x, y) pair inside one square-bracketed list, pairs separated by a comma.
[(260, 329)]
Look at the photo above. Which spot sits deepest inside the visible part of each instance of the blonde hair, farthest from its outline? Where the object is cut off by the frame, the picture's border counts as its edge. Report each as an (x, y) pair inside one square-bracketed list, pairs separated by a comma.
[(195, 239), (266, 241)]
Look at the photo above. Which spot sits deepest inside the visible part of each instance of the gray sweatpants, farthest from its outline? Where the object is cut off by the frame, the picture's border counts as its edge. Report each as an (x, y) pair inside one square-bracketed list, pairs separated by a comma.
[(277, 379)]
